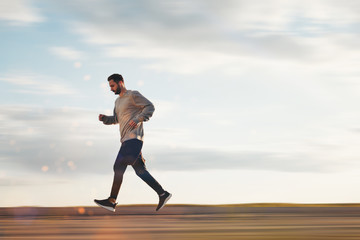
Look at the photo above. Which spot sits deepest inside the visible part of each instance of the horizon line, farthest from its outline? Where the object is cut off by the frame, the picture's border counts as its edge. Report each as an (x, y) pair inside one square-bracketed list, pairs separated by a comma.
[(258, 204)]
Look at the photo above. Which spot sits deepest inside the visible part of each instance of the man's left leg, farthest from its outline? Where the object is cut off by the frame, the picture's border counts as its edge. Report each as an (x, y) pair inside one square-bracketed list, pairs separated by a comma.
[(142, 172)]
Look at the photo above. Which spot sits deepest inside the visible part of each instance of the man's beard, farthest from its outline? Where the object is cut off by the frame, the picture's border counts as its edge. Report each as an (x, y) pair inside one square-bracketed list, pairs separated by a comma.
[(118, 90)]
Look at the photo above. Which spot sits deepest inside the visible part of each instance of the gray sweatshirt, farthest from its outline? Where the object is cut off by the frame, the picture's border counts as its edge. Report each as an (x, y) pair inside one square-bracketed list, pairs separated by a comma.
[(131, 106)]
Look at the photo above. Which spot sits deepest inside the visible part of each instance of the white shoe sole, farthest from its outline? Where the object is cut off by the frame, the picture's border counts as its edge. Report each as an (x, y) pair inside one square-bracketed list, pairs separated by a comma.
[(167, 199), (105, 207)]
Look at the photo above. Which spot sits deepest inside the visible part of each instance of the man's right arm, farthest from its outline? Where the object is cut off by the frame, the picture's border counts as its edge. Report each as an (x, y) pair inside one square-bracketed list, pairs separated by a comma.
[(108, 120)]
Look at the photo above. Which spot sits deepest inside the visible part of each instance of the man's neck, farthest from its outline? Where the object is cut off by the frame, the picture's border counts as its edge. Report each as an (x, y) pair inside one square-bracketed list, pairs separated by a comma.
[(123, 91)]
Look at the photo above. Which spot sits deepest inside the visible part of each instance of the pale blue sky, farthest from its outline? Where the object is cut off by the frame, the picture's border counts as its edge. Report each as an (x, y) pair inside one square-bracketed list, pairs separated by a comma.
[(256, 101)]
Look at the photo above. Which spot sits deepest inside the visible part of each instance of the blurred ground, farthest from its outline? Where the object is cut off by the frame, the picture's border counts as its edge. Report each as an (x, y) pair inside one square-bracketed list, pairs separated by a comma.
[(264, 221)]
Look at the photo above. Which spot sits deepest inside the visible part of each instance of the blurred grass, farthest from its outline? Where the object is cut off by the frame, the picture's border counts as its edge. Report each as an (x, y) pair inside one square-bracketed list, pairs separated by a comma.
[(252, 221)]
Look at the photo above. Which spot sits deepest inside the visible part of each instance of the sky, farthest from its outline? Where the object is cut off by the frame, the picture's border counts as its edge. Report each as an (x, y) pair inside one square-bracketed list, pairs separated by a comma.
[(256, 101)]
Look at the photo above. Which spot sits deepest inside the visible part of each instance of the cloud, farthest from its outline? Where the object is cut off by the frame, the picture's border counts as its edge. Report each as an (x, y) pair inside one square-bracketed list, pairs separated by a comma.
[(67, 141), (281, 16), (66, 53), (204, 159), (37, 84), (292, 58), (58, 140), (185, 37), (19, 12)]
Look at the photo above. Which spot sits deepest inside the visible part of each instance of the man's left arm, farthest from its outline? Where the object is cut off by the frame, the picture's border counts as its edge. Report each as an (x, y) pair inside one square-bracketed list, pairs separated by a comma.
[(147, 107)]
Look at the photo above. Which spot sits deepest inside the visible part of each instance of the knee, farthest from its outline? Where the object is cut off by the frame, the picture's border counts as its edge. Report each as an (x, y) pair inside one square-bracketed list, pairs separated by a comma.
[(140, 172), (119, 168)]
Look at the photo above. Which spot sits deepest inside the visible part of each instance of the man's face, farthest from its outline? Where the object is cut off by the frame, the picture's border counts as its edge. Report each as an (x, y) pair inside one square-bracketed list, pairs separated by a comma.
[(114, 87)]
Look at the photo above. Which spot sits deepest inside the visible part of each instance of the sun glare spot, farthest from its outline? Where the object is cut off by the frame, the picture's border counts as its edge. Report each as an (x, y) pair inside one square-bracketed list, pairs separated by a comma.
[(140, 83), (77, 65), (44, 168), (81, 210), (87, 77), (2, 174), (71, 165), (30, 131)]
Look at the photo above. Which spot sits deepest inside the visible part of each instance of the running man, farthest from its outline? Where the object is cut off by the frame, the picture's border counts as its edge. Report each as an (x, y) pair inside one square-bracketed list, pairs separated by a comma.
[(131, 110)]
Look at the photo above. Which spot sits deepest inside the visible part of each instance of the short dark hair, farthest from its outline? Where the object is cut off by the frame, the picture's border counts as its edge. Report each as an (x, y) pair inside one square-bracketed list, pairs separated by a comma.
[(116, 77)]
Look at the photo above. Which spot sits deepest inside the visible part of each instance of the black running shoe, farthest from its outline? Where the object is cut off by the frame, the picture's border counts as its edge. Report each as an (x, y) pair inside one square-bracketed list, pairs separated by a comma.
[(163, 198), (106, 204)]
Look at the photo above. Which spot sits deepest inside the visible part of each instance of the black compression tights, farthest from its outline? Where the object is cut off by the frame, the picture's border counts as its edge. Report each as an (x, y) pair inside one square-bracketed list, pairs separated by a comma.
[(130, 154)]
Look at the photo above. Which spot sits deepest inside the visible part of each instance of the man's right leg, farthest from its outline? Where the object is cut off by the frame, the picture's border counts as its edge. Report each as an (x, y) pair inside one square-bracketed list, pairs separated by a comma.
[(119, 170), (128, 153)]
